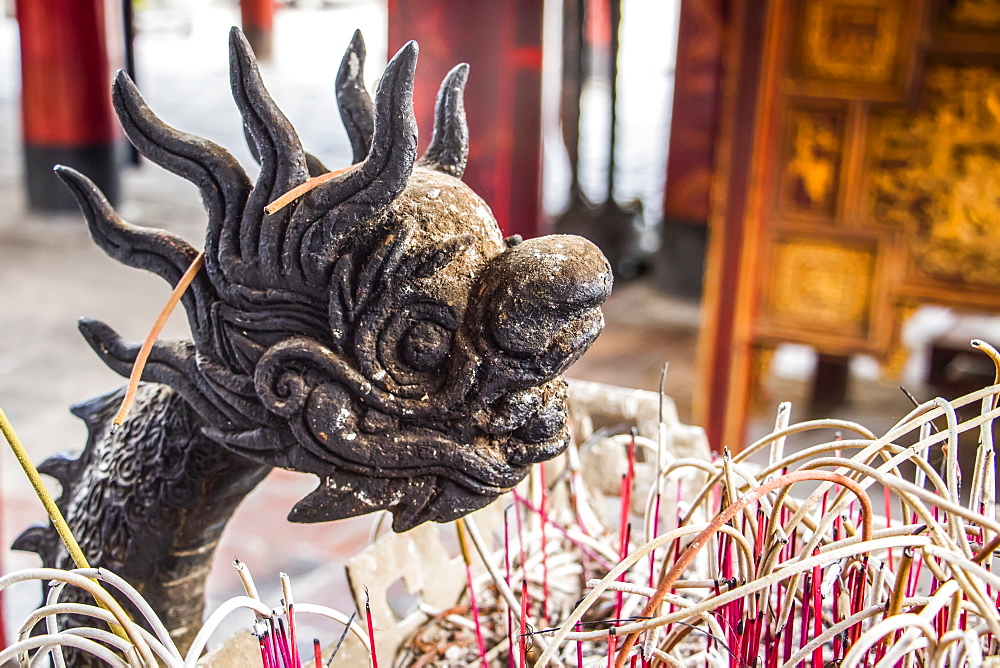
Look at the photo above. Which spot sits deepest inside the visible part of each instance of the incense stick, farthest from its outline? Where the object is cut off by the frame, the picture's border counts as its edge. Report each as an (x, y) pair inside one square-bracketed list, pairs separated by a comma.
[(154, 334)]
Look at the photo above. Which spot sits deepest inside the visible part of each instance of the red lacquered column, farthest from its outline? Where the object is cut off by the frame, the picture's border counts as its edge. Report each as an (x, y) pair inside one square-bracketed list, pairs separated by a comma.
[(257, 17), (502, 42), (66, 110)]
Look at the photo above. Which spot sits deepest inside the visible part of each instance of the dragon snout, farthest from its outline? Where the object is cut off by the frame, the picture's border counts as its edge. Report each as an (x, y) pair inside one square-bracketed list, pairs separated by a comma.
[(546, 300)]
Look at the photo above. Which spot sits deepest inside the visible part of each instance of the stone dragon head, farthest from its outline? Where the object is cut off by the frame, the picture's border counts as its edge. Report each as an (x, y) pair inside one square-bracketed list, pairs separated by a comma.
[(377, 331)]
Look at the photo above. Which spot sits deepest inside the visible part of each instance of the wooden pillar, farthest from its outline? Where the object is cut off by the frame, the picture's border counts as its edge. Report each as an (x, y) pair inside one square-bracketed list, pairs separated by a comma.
[(726, 356), (502, 42), (257, 19), (66, 112)]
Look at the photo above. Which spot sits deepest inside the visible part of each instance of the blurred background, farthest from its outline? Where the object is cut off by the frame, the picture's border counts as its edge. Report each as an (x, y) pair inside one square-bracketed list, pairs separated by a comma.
[(799, 197)]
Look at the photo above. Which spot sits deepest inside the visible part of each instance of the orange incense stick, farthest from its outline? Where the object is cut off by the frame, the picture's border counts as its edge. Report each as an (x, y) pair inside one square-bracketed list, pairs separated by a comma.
[(304, 187), (154, 333)]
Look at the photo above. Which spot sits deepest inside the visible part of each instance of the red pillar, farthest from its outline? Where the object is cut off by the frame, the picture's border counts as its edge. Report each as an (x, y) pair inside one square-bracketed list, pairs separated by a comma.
[(66, 111), (694, 128), (694, 120), (502, 42), (257, 17)]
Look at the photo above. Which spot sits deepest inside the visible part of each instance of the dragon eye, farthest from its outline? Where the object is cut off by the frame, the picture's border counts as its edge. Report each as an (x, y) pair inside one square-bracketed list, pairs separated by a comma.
[(425, 345)]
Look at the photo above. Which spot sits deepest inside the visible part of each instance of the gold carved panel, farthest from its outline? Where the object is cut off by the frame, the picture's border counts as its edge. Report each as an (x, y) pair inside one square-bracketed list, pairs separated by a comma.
[(974, 14), (856, 41), (821, 284), (811, 170), (936, 173)]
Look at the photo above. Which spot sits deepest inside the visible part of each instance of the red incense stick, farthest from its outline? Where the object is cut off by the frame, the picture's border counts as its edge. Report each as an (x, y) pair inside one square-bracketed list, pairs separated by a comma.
[(296, 662), (524, 622), (579, 650), (463, 544), (789, 633), (506, 561), (656, 532), (480, 642), (274, 644), (371, 628), (586, 550), (282, 645), (520, 531), (545, 563), (621, 578), (265, 651), (817, 610)]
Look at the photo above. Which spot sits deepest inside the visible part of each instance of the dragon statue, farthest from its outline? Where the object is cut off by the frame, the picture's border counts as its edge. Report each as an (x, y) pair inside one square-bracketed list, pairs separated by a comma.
[(377, 332)]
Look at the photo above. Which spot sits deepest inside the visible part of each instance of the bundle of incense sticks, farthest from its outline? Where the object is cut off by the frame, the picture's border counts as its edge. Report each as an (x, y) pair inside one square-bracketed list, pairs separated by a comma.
[(789, 563), (274, 628), (278, 647)]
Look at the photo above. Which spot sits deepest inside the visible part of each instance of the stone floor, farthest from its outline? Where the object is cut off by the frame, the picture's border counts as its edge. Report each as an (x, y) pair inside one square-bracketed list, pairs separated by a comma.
[(51, 274)]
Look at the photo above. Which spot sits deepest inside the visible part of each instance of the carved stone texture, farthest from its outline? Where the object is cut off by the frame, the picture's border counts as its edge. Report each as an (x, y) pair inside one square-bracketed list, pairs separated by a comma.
[(377, 332)]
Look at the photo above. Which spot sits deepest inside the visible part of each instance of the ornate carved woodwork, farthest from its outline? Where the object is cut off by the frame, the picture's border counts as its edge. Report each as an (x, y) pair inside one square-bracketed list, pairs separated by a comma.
[(810, 176), (820, 284), (861, 181), (934, 175), (377, 332)]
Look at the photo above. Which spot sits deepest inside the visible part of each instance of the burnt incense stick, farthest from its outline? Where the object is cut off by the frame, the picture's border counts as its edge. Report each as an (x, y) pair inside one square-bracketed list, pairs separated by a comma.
[(260, 630), (347, 627)]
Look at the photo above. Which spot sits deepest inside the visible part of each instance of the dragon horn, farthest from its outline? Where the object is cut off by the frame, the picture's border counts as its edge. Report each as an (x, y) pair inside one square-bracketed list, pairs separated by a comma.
[(364, 192), (355, 103), (283, 166), (223, 184), (449, 147), (373, 185), (158, 251)]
